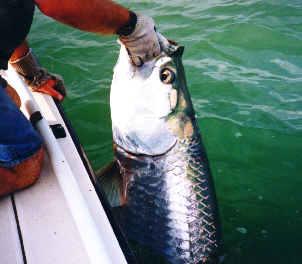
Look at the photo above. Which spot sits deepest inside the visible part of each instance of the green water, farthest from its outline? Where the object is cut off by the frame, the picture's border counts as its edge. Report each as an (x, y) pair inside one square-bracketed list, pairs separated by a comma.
[(243, 61)]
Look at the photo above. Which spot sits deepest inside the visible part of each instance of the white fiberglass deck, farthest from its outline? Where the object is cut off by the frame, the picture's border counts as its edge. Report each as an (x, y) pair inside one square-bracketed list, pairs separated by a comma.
[(48, 232)]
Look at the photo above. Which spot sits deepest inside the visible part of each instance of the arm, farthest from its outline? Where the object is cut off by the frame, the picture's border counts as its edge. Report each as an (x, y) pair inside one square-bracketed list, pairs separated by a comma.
[(136, 32), (99, 16), (38, 78)]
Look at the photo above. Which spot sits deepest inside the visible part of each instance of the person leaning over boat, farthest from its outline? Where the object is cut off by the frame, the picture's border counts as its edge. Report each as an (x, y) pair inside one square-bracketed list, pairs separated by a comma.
[(21, 151)]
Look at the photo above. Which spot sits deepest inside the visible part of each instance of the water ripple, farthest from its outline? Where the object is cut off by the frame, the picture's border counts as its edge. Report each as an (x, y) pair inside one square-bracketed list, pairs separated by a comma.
[(223, 70), (243, 61)]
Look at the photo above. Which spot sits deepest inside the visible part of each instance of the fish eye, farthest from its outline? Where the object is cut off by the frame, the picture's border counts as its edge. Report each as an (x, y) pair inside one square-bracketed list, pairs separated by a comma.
[(167, 76)]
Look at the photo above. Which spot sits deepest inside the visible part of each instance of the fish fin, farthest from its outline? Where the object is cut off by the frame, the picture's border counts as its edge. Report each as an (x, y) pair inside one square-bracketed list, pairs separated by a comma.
[(111, 182)]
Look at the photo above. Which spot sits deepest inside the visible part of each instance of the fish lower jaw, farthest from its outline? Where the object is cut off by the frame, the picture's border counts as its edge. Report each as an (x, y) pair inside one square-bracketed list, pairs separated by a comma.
[(136, 152)]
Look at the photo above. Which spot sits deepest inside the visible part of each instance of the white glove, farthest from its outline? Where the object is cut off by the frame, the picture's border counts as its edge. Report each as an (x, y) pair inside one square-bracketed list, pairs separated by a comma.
[(142, 43)]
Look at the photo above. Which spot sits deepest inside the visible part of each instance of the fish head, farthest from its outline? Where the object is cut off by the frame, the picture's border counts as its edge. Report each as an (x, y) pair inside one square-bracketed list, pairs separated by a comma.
[(150, 105)]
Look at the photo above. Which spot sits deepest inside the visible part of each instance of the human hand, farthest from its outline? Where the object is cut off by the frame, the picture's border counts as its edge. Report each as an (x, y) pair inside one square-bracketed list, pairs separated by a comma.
[(142, 44), (38, 78), (48, 83)]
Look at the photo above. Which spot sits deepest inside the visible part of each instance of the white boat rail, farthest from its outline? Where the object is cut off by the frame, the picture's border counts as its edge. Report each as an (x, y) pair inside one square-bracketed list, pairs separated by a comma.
[(97, 236)]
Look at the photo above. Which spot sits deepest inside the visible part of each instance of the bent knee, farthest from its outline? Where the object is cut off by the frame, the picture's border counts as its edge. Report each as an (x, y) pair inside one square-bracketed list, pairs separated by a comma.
[(21, 176), (29, 170), (7, 181)]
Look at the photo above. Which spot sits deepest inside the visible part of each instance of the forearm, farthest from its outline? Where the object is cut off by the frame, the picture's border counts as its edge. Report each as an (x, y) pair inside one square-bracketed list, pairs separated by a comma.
[(99, 16), (20, 51)]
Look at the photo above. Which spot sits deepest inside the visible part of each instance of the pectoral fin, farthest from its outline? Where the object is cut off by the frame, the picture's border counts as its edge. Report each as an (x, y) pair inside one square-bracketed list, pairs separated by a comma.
[(111, 182)]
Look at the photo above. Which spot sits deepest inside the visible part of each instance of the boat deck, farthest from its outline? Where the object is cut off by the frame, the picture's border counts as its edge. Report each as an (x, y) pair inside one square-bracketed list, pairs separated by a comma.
[(37, 225)]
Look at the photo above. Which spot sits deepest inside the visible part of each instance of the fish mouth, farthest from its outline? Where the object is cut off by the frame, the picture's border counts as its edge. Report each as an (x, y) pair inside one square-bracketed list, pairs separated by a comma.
[(147, 104), (117, 147), (170, 47)]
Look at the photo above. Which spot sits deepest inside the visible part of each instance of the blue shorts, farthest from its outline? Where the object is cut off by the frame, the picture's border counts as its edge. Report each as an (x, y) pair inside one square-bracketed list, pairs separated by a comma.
[(18, 139)]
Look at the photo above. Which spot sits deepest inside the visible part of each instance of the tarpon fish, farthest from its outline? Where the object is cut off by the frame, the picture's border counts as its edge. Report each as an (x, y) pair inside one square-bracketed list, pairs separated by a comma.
[(165, 189)]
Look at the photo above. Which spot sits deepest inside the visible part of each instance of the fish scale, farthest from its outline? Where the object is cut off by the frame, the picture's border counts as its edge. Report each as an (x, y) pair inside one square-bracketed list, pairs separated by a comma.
[(169, 209)]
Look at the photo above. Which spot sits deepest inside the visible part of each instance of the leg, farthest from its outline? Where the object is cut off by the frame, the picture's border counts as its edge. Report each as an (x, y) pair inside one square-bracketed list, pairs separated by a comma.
[(22, 175), (21, 153)]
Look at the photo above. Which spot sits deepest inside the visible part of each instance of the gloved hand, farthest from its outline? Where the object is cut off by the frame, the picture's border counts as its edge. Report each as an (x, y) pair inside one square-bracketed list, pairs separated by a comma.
[(142, 43), (38, 78)]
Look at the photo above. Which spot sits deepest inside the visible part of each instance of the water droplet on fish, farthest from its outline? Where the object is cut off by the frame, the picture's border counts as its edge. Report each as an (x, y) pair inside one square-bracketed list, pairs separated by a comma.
[(242, 230)]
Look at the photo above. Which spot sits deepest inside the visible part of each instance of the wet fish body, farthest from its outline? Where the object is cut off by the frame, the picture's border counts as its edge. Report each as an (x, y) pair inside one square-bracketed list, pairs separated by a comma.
[(169, 202), (167, 192)]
